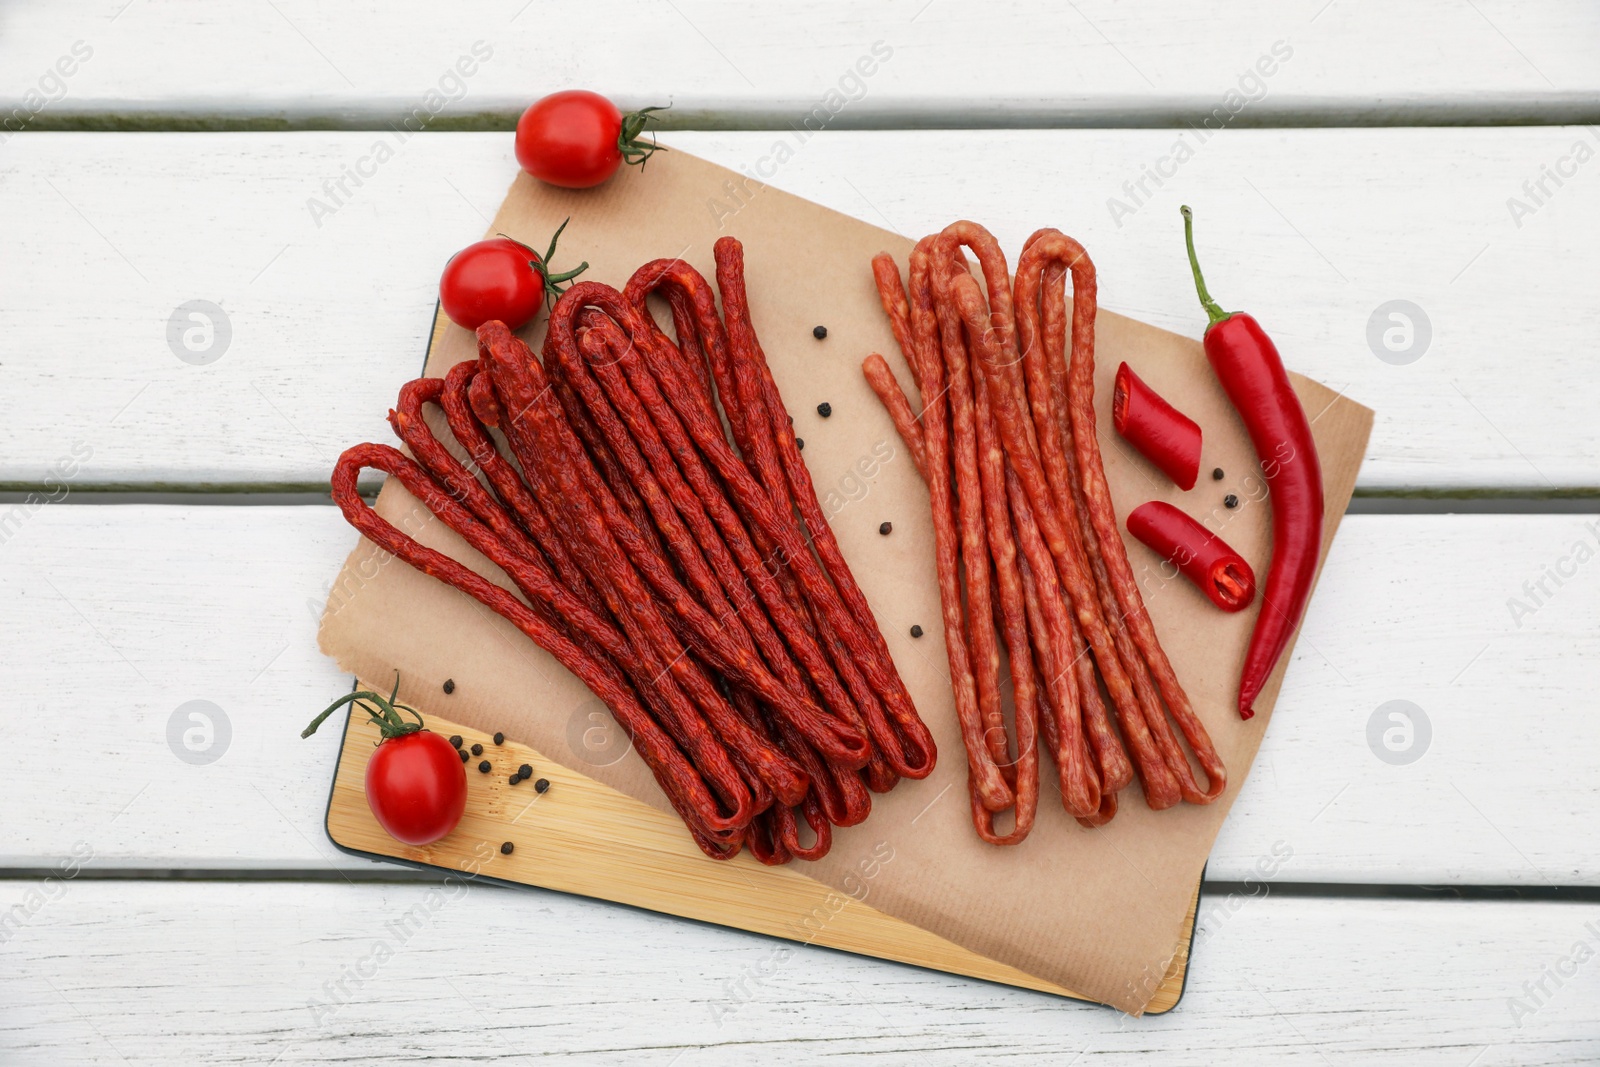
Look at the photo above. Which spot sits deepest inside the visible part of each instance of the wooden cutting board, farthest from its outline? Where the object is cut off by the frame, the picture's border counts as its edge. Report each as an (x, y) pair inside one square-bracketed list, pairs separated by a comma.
[(580, 836)]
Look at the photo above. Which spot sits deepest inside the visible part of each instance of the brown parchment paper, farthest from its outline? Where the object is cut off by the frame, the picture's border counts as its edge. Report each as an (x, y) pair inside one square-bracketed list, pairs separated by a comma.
[(1098, 911)]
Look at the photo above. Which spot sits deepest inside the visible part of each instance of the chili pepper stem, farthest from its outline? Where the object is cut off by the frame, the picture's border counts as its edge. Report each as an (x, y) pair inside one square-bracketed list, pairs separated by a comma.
[(1213, 312)]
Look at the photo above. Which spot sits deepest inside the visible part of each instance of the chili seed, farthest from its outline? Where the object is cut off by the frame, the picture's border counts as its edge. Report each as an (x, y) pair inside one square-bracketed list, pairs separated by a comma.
[(885, 527), (462, 753), (477, 750), (1216, 474), (455, 740), (499, 738), (505, 849), (525, 770), (449, 686), (800, 443), (483, 767), (1230, 501), (824, 409), (819, 332), (541, 785), (916, 631)]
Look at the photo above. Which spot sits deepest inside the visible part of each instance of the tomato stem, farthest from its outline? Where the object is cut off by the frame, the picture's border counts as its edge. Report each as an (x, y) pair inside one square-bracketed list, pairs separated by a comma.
[(633, 124), (541, 264), (386, 715)]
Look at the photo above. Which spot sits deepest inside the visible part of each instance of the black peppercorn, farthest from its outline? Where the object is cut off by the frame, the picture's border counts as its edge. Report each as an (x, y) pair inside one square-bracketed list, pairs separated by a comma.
[(824, 409), (499, 738), (1216, 474), (525, 770), (505, 849), (916, 631), (455, 740), (477, 750), (514, 779), (819, 332), (1230, 501), (462, 753), (885, 527), (449, 686), (800, 443), (541, 785), (483, 767)]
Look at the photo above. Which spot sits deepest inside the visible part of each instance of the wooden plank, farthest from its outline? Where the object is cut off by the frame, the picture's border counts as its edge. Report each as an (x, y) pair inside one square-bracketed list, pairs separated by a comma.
[(174, 972), (157, 606), (1009, 63), (586, 838), (1313, 230)]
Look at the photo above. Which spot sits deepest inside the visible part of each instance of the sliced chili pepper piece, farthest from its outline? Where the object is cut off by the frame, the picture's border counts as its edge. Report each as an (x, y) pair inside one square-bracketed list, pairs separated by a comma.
[(1200, 555), (1162, 434)]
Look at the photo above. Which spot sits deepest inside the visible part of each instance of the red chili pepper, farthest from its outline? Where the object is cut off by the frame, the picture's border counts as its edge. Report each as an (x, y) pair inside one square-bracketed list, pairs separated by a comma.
[(1162, 434), (1200, 555), (1252, 374)]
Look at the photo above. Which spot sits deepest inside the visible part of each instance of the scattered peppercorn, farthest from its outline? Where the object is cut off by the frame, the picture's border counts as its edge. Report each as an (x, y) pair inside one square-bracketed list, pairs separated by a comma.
[(800, 443), (483, 767), (525, 770), (1230, 501), (505, 849), (819, 332), (541, 785), (885, 527), (916, 631), (455, 740), (449, 686), (1216, 474), (499, 738), (824, 409), (477, 750), (514, 779), (462, 753)]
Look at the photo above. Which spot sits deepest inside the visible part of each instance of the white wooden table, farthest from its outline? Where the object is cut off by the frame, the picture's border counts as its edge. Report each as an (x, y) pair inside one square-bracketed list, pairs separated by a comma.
[(164, 536)]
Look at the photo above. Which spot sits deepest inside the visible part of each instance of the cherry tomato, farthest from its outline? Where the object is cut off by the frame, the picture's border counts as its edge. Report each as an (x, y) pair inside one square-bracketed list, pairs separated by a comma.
[(493, 279), (416, 784), (577, 139), (417, 787)]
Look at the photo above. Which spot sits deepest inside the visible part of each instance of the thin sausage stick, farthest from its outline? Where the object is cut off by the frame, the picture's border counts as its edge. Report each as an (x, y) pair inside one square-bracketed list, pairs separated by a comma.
[(1010, 606), (532, 575), (556, 460), (904, 740), (1052, 634), (984, 735), (1161, 787), (1008, 602), (924, 335), (632, 388), (680, 780), (755, 503), (1042, 337), (882, 380), (1097, 495)]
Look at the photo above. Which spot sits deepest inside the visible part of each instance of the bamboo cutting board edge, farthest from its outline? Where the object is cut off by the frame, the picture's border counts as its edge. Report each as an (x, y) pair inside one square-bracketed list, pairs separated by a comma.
[(588, 839)]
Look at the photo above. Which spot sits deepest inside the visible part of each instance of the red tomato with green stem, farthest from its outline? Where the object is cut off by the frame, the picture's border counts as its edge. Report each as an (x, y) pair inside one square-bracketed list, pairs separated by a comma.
[(416, 784), (577, 139), (501, 278)]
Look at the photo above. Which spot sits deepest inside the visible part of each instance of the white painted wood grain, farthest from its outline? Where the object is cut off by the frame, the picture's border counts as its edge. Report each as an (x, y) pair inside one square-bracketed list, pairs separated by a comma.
[(293, 973), (1010, 63), (1312, 230), (122, 614)]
